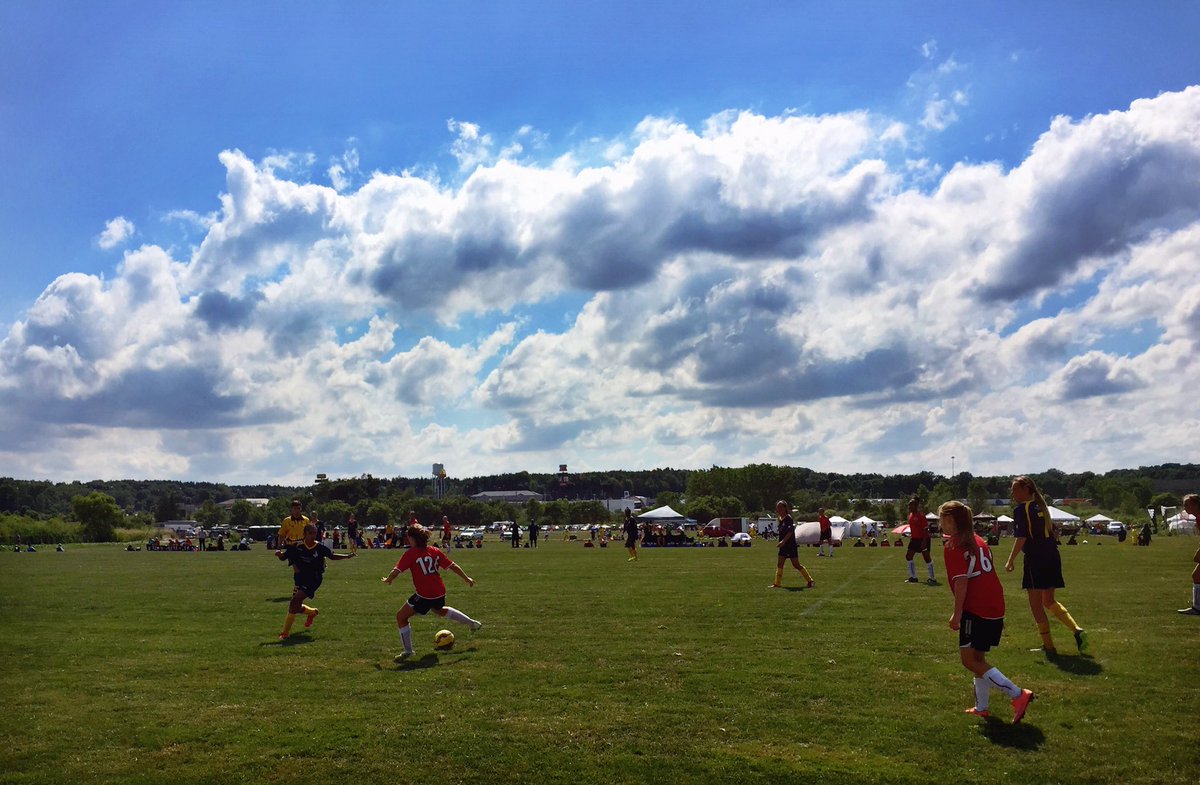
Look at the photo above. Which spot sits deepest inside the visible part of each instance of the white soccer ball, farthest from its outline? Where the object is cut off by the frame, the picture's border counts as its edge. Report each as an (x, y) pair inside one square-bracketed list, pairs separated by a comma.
[(444, 640)]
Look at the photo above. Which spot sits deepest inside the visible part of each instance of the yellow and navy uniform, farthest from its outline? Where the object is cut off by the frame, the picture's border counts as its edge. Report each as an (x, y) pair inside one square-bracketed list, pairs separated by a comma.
[(291, 531), (1042, 565), (309, 563)]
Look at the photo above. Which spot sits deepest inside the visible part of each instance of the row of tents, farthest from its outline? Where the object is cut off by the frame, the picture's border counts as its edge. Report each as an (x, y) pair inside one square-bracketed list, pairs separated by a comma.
[(809, 531)]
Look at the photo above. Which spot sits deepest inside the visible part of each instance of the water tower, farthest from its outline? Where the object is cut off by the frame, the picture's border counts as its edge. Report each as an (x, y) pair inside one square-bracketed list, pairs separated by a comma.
[(439, 481)]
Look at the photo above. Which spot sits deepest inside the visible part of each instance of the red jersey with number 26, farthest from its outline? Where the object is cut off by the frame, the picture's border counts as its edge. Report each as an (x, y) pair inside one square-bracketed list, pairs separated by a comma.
[(425, 563), (985, 594)]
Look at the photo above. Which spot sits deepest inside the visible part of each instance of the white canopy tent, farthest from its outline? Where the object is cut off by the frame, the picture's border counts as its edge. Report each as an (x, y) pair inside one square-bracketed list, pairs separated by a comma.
[(662, 515), (859, 527), (1182, 524), (1062, 516), (1099, 518)]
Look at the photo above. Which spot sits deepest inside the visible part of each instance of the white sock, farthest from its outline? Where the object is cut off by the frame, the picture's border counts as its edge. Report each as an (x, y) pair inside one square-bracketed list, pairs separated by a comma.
[(929, 569), (982, 693), (406, 638), (453, 614), (1002, 683), (912, 570), (1196, 595)]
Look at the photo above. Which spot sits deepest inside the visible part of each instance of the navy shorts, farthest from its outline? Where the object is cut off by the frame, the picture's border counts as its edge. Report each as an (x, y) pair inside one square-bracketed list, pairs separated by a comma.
[(978, 633), (790, 551), (424, 605), (1042, 571), (826, 535), (307, 584)]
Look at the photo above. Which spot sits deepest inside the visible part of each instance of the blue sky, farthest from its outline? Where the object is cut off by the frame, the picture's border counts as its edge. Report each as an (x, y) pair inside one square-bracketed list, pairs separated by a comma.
[(253, 241)]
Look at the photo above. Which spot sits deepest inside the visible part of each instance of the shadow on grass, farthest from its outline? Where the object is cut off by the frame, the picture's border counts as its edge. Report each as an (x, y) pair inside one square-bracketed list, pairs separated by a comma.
[(295, 639), (1080, 664), (427, 661), (280, 599), (1020, 737)]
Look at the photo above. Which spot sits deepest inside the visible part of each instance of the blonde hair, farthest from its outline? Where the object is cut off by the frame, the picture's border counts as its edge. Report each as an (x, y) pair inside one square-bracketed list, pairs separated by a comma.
[(1037, 496), (419, 534), (963, 521)]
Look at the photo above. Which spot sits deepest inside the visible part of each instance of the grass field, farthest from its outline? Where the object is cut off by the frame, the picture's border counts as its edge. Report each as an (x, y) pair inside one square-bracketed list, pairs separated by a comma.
[(681, 668)]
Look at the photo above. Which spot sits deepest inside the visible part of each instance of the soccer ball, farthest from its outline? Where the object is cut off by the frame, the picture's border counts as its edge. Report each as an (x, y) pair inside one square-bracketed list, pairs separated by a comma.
[(444, 640)]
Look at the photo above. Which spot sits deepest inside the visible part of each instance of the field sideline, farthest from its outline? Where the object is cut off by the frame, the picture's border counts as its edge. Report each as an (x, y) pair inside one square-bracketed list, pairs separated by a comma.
[(681, 668)]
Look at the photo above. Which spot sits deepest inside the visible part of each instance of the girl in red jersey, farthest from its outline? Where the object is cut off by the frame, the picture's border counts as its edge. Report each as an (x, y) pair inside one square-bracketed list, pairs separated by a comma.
[(425, 560), (918, 542), (978, 608)]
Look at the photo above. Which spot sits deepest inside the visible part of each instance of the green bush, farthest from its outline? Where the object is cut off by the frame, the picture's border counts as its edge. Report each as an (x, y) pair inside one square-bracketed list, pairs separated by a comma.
[(37, 532)]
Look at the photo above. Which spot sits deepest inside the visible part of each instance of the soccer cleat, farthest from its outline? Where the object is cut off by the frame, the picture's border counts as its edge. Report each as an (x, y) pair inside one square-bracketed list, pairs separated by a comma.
[(1192, 611), (977, 712), (773, 586), (810, 585), (476, 626), (933, 582), (1020, 704), (1081, 641), (311, 617), (402, 656), (911, 580), (283, 636)]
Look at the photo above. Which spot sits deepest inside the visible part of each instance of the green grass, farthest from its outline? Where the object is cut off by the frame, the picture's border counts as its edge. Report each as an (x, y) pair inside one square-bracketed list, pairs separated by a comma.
[(681, 668)]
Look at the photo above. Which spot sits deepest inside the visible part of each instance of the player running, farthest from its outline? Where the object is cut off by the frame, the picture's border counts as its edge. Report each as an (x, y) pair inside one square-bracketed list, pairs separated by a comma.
[(978, 608), (918, 542), (424, 560), (308, 565)]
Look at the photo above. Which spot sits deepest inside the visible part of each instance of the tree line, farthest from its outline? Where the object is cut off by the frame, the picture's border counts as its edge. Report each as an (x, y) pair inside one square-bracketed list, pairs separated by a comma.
[(103, 507)]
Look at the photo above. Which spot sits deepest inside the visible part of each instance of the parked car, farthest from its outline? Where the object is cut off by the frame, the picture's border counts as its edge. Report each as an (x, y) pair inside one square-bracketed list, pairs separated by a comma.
[(1116, 527)]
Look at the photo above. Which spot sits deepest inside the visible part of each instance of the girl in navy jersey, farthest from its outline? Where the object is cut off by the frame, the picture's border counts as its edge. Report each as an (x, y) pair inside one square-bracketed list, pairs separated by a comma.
[(424, 561), (1036, 538), (308, 565), (788, 549), (978, 608)]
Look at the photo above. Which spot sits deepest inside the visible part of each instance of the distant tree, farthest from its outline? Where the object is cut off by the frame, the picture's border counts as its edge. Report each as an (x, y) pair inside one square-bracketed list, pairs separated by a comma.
[(941, 493), (99, 516), (978, 495), (167, 508), (334, 513), (240, 513), (1164, 500), (377, 514), (666, 498), (210, 515)]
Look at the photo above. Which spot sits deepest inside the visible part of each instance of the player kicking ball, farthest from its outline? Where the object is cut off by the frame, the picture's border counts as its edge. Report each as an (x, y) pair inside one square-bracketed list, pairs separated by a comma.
[(308, 564), (424, 561), (978, 608)]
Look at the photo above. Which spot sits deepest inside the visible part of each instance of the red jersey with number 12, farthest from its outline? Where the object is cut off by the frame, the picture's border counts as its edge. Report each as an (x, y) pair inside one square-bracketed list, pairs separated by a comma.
[(985, 594), (425, 563)]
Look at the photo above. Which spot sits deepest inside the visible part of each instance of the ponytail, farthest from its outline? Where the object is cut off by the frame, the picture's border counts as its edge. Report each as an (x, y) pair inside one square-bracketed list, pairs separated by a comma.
[(963, 522)]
